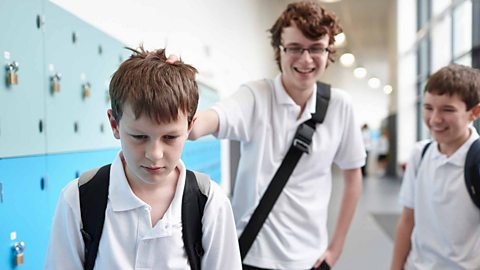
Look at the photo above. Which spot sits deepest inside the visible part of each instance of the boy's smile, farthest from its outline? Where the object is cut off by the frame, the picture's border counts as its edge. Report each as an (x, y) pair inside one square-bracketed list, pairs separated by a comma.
[(150, 150)]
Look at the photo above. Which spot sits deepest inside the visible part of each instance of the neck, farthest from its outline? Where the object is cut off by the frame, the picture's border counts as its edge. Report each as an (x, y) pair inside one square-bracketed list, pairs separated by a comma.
[(299, 96), (450, 148)]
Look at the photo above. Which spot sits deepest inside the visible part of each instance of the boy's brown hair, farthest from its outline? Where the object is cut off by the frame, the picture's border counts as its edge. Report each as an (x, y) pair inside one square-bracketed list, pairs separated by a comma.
[(313, 21), (458, 80), (153, 87)]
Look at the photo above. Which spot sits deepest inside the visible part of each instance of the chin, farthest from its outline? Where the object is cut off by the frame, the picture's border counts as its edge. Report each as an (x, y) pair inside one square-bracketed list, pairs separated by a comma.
[(441, 138)]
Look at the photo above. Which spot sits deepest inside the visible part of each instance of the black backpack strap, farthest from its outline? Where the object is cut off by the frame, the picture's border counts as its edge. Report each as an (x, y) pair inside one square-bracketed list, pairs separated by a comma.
[(93, 193), (301, 143), (323, 98), (193, 204), (424, 150), (472, 172)]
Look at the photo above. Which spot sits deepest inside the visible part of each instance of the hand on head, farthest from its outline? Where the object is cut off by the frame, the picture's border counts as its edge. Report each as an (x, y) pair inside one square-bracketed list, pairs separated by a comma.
[(172, 59)]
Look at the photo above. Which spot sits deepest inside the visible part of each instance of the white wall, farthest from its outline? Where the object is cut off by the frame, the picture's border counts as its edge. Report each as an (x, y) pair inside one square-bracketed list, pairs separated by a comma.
[(226, 40)]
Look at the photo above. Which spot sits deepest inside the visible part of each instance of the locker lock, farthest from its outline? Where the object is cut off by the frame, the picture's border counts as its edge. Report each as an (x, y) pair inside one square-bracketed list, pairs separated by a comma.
[(55, 82), (86, 90), (12, 77), (18, 249)]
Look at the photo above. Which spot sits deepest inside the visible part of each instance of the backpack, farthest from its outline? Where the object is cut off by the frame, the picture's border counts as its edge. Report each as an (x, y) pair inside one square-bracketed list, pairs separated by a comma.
[(93, 193), (471, 170)]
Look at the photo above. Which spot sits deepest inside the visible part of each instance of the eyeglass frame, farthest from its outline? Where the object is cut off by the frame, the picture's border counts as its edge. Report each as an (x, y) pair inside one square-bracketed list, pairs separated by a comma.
[(288, 50)]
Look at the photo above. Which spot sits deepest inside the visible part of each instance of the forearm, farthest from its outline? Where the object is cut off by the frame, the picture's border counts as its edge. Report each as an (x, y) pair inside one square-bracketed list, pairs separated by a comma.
[(351, 194), (205, 123), (403, 240)]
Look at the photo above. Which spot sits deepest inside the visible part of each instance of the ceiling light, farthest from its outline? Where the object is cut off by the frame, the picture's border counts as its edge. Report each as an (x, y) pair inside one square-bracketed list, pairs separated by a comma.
[(374, 82), (387, 89), (347, 59), (340, 40), (360, 72)]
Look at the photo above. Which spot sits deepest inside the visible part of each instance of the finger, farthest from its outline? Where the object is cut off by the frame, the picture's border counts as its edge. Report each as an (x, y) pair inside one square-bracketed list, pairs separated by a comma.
[(172, 59)]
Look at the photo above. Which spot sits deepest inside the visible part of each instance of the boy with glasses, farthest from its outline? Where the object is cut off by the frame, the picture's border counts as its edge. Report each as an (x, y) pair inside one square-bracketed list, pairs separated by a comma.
[(264, 116)]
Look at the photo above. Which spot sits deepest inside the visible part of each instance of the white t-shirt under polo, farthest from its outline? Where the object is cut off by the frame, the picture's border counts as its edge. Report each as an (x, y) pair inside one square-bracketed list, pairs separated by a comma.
[(446, 234), (264, 118)]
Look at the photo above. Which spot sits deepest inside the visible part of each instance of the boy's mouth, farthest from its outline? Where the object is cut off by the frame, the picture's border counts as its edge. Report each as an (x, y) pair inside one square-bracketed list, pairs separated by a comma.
[(153, 169), (438, 129), (304, 70)]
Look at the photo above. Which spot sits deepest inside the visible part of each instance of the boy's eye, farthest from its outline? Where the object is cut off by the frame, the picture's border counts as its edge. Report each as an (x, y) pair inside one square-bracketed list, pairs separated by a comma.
[(318, 50), (170, 137), (139, 137), (449, 110), (295, 50)]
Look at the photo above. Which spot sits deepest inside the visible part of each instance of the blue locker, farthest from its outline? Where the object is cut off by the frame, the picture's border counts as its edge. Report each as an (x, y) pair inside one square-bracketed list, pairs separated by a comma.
[(24, 210), (22, 105), (83, 55)]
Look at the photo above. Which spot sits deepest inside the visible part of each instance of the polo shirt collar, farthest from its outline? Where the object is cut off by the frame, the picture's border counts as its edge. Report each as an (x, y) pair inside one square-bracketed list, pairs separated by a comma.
[(283, 98)]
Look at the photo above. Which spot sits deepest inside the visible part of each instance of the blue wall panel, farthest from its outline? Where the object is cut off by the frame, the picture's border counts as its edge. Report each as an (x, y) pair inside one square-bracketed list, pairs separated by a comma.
[(203, 156)]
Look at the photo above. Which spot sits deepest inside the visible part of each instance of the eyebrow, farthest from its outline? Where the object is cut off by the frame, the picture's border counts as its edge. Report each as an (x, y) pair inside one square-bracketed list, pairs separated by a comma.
[(316, 44)]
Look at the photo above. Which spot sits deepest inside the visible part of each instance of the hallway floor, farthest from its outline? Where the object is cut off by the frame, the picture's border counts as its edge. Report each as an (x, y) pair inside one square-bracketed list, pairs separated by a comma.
[(369, 243)]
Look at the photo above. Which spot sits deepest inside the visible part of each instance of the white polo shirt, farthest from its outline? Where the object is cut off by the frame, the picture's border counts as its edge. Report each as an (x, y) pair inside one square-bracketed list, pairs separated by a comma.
[(129, 241), (446, 234), (264, 118)]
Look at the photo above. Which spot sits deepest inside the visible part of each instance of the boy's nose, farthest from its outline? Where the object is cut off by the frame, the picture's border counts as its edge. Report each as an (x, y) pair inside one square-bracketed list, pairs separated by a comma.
[(306, 56), (154, 151), (435, 117)]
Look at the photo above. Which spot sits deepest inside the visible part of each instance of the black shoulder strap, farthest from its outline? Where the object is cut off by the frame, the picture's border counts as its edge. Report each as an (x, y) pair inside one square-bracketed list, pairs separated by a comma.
[(424, 150), (93, 203), (301, 143), (472, 172), (193, 205)]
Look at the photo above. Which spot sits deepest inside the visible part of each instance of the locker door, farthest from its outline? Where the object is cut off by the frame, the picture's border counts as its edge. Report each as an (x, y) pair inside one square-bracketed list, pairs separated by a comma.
[(82, 55), (23, 210), (21, 105)]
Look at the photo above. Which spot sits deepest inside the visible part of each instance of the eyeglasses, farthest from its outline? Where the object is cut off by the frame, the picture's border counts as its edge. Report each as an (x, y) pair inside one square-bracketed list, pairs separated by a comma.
[(297, 51)]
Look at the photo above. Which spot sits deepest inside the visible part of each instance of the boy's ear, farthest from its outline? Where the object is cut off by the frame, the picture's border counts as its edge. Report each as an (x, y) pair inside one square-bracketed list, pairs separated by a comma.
[(113, 124), (190, 126)]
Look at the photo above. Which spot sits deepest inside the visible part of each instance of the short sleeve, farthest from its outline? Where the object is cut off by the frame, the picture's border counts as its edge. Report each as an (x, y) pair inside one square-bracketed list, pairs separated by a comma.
[(235, 115)]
